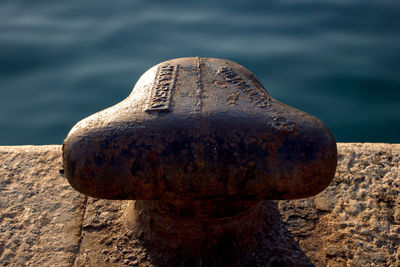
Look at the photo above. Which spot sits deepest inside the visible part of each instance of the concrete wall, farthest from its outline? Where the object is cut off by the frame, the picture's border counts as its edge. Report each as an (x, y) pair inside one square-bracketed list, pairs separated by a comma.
[(354, 222)]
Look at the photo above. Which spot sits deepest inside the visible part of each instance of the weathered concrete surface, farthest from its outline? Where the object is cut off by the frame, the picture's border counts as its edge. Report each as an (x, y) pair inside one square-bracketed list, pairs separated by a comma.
[(40, 214), (354, 222)]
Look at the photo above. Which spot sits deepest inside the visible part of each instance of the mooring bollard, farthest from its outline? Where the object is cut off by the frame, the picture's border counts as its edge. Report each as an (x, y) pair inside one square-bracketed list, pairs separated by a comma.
[(200, 144)]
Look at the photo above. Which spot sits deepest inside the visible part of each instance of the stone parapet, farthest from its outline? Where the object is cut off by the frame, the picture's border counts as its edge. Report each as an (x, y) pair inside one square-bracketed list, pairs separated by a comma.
[(354, 222)]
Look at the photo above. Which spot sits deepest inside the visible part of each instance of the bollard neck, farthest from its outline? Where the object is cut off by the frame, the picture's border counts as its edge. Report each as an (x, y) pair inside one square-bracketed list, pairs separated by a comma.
[(195, 226)]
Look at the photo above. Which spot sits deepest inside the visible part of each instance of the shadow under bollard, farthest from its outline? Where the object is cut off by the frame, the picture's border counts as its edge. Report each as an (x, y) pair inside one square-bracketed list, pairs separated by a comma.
[(128, 240)]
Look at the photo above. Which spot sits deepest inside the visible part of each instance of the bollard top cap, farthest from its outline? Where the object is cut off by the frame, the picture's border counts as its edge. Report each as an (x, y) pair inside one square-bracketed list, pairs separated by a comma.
[(199, 129)]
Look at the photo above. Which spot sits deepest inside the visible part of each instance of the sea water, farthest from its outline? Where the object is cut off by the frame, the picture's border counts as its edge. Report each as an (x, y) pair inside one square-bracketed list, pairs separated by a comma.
[(61, 61)]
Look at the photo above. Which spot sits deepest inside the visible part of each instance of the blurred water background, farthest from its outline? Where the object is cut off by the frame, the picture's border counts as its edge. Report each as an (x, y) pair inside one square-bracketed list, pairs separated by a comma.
[(61, 61)]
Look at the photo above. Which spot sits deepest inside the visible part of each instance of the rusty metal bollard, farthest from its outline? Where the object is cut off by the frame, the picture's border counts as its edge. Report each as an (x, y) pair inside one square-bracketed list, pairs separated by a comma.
[(199, 144)]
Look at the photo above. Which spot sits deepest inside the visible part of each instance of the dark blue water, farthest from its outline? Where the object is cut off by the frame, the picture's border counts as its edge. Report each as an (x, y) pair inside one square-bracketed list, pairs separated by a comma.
[(338, 60)]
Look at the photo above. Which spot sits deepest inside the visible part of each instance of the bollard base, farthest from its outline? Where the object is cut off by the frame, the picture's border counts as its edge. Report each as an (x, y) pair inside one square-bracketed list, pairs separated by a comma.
[(207, 233), (197, 227)]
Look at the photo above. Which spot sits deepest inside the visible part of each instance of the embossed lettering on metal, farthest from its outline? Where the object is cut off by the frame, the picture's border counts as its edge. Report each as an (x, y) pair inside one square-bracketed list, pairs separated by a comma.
[(161, 92), (243, 86)]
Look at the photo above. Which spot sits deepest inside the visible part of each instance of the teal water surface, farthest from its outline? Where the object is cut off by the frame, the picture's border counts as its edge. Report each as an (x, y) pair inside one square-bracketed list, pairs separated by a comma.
[(61, 61)]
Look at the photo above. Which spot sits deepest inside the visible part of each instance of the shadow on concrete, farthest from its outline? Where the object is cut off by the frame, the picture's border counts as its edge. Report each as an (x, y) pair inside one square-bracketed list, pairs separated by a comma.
[(270, 245)]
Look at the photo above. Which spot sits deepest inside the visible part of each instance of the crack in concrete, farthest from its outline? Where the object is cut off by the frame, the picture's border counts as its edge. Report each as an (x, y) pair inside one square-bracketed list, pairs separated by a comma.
[(78, 249)]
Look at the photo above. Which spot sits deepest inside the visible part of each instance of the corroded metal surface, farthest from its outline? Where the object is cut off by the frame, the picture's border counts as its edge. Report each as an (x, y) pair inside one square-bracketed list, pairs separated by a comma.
[(199, 129)]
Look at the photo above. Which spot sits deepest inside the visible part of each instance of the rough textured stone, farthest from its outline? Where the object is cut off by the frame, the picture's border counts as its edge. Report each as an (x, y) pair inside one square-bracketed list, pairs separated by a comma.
[(359, 229), (354, 222), (40, 214)]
